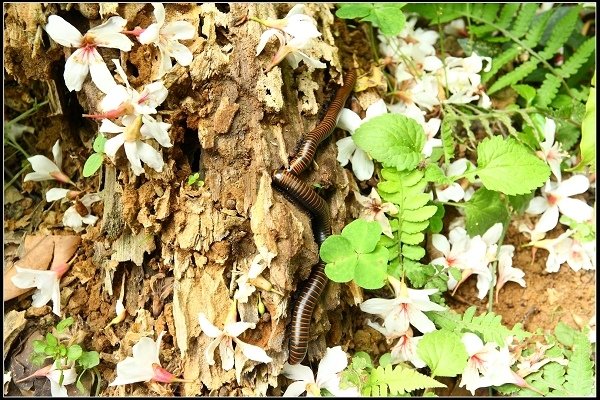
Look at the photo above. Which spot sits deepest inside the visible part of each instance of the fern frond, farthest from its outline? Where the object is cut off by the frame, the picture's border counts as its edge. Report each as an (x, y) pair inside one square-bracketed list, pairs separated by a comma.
[(580, 371), (548, 91), (524, 18), (536, 31), (397, 381), (572, 65), (517, 75), (560, 33), (489, 325), (448, 126)]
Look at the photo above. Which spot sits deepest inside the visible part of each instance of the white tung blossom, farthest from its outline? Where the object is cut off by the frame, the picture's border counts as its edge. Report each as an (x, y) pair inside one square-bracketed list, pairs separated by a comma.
[(130, 137), (45, 169), (86, 58), (334, 362), (223, 339), (47, 284), (166, 38), (348, 120), (144, 365), (296, 33)]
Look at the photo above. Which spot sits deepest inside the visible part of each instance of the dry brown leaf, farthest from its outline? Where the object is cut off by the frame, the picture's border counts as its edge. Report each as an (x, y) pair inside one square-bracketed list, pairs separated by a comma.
[(374, 79), (64, 248), (14, 323), (38, 251)]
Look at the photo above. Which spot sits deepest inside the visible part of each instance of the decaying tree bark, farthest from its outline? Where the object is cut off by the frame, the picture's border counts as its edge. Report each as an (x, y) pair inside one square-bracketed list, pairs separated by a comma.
[(234, 124)]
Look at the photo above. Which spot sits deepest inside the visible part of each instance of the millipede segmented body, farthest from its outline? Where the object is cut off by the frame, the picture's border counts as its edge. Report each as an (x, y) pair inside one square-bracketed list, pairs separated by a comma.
[(288, 181), (308, 148), (303, 311)]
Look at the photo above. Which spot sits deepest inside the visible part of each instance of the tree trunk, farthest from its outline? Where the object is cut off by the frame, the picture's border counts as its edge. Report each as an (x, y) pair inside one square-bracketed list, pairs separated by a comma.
[(232, 123)]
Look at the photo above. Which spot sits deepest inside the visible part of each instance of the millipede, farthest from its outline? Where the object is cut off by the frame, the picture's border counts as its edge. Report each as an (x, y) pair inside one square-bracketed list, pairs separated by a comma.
[(287, 180), (308, 147)]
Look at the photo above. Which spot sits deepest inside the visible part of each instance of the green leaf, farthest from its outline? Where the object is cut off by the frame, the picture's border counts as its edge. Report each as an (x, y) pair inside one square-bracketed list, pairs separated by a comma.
[(39, 346), (433, 173), (447, 128), (509, 167), (413, 252), (483, 210), (363, 235), (89, 359), (443, 352), (520, 202), (51, 340), (74, 352), (397, 381), (371, 269), (38, 359), (392, 139), (587, 147), (92, 164), (436, 222), (388, 17), (336, 247), (353, 10), (99, 143), (525, 91), (361, 360), (565, 334), (65, 323)]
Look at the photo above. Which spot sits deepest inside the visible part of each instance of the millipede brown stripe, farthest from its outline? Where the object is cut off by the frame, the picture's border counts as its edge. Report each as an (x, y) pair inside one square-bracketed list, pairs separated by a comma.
[(303, 312), (312, 139)]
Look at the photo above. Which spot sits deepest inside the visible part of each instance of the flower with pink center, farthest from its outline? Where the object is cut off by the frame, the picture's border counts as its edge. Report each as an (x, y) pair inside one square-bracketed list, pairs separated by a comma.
[(374, 210), (556, 198), (405, 309), (551, 151), (59, 375), (44, 169), (487, 366), (144, 366), (47, 284), (86, 58), (166, 38)]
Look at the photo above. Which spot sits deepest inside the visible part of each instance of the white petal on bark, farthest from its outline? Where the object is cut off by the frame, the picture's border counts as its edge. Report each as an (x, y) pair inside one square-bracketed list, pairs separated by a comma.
[(150, 34), (113, 145), (76, 70), (179, 30), (115, 40), (295, 389), (254, 353), (165, 63), (453, 192), (149, 156), (72, 219), (181, 53), (227, 354), (207, 327), (345, 147), (43, 165), (43, 281), (209, 353), (348, 120), (235, 329), (132, 370), (63, 32), (298, 372), (101, 76), (265, 37), (334, 361), (156, 130), (492, 235), (57, 154), (56, 194), (420, 320), (362, 165), (131, 151)]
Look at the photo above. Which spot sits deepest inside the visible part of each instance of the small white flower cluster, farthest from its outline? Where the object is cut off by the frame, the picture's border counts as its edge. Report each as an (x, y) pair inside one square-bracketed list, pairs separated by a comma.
[(132, 107), (45, 169), (86, 59), (555, 200), (473, 255), (296, 33)]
